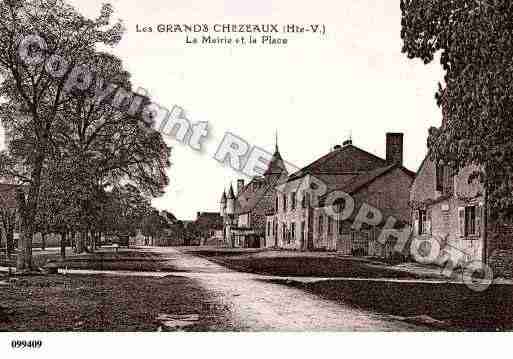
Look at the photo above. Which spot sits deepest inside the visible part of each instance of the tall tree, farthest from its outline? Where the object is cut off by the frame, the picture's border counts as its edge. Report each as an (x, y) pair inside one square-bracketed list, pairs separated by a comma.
[(35, 99), (475, 41)]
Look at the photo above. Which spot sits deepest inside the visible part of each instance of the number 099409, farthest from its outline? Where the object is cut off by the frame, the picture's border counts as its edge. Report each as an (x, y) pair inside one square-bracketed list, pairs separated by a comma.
[(26, 344)]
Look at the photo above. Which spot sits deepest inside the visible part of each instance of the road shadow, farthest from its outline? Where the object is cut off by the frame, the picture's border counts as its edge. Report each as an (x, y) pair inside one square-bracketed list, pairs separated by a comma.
[(112, 260), (452, 307)]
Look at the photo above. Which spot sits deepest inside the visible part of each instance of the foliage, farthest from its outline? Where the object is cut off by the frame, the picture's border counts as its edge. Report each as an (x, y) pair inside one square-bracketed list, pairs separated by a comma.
[(77, 154), (475, 41)]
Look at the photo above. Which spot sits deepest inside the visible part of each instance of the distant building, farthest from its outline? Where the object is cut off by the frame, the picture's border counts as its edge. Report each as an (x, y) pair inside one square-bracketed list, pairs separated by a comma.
[(244, 213), (210, 226), (299, 221)]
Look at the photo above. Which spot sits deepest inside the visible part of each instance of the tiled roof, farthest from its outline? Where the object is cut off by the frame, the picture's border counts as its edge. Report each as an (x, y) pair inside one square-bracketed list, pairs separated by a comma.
[(346, 160), (253, 193), (364, 179), (276, 166)]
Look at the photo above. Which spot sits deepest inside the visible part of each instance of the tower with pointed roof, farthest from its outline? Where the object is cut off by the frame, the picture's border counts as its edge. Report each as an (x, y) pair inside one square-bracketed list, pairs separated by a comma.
[(276, 168), (230, 202), (244, 211), (223, 204)]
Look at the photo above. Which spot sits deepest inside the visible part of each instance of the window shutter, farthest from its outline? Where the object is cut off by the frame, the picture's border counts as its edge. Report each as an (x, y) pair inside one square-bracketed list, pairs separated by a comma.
[(479, 219), (461, 221), (416, 227), (429, 216)]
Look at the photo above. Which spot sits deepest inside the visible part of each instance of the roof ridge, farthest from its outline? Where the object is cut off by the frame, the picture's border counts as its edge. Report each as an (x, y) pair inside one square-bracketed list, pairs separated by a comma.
[(302, 172)]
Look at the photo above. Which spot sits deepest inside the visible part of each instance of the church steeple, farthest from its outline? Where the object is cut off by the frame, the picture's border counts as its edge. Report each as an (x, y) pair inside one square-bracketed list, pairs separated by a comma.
[(277, 165)]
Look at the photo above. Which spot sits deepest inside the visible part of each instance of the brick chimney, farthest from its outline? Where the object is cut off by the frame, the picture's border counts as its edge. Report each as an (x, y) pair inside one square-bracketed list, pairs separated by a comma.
[(395, 148), (240, 186)]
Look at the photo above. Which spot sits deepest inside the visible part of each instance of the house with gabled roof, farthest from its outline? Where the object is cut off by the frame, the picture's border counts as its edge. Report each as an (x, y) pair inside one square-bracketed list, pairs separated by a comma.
[(244, 212), (300, 220), (451, 207)]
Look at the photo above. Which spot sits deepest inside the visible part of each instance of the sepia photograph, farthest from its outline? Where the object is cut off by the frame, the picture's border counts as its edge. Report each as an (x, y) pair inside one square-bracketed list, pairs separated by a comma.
[(266, 174)]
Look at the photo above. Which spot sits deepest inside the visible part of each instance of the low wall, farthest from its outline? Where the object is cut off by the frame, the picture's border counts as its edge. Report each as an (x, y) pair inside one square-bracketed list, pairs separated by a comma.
[(501, 262)]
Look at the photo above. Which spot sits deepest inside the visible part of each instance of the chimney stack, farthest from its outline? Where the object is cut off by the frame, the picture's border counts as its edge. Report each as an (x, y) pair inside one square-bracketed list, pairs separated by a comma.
[(395, 148), (240, 186)]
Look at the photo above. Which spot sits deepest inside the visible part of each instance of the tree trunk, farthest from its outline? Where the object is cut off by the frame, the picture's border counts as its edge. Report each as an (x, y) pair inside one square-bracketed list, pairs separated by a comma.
[(10, 240), (93, 241), (43, 241), (63, 245), (27, 208)]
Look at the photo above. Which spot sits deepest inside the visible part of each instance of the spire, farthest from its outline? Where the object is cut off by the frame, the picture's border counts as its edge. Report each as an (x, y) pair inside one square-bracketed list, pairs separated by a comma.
[(231, 194), (277, 165), (223, 198)]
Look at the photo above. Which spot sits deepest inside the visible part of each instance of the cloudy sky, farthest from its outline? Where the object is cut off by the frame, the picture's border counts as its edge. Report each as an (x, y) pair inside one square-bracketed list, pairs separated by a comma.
[(315, 91)]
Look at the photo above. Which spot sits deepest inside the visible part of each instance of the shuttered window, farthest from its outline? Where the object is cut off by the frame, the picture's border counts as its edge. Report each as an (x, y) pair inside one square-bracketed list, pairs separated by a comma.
[(422, 221), (470, 220), (440, 178)]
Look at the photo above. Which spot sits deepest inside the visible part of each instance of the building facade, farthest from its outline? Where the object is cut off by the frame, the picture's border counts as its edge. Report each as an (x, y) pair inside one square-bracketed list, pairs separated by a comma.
[(451, 208), (304, 219), (244, 213)]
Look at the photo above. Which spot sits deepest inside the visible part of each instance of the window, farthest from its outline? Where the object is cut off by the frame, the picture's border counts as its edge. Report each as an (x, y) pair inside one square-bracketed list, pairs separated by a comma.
[(303, 231), (283, 232), (293, 232), (470, 221), (444, 179), (321, 224), (303, 200), (423, 227), (440, 173), (340, 227), (277, 204), (294, 200), (330, 226), (269, 225), (284, 203)]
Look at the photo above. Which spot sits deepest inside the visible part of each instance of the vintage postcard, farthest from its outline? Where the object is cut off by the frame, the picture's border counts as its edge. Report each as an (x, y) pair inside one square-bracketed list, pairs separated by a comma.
[(237, 166)]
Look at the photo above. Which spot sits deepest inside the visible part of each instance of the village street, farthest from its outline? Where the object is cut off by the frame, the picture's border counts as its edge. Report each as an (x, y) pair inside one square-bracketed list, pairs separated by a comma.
[(166, 289), (258, 305), (179, 289)]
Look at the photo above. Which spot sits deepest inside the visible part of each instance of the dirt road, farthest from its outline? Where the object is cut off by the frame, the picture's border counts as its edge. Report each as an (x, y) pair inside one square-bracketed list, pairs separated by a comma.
[(259, 305)]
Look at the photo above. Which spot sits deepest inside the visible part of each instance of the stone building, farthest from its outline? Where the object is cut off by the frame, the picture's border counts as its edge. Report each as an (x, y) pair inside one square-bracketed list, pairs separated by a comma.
[(244, 213), (300, 220), (453, 210)]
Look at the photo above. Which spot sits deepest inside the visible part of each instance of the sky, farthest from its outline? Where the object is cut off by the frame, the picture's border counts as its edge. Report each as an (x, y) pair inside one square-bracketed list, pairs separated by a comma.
[(316, 91)]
